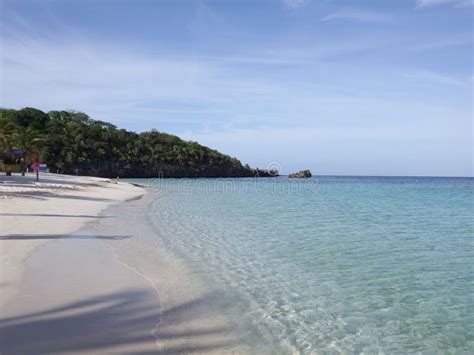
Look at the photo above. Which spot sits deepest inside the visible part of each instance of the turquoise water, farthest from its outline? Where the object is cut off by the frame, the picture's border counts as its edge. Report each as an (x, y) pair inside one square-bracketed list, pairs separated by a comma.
[(335, 264)]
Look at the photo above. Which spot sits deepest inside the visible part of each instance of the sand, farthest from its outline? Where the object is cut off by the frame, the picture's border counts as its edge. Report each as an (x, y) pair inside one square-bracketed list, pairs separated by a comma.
[(82, 272), (65, 292), (34, 213)]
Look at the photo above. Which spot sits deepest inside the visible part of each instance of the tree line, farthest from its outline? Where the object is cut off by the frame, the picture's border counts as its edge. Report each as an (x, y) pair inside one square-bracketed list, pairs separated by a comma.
[(70, 142)]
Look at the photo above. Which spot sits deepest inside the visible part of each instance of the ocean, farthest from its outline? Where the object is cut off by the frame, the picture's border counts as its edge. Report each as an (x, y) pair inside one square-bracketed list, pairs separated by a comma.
[(331, 264)]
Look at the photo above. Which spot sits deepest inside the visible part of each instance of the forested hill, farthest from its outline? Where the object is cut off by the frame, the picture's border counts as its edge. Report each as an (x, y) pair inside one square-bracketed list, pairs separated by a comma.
[(68, 140)]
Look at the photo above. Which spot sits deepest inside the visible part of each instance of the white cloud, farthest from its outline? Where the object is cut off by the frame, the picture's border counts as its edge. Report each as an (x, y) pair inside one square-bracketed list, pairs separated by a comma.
[(438, 78), (98, 78), (456, 3), (119, 82), (294, 4), (358, 16), (444, 43)]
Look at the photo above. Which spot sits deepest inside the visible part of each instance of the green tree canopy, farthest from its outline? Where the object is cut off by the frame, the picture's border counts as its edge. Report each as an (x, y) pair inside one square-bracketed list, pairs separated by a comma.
[(71, 140)]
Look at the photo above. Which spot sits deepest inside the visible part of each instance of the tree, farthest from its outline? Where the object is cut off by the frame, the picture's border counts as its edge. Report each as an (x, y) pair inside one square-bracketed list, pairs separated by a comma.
[(5, 136), (30, 142), (70, 140)]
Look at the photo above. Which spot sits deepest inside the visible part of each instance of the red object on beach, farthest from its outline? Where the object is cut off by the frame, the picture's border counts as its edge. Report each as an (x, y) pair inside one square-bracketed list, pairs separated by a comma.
[(35, 165)]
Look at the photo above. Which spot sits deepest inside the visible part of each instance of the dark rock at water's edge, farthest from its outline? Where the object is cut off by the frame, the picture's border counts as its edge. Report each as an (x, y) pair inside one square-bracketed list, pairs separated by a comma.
[(301, 174)]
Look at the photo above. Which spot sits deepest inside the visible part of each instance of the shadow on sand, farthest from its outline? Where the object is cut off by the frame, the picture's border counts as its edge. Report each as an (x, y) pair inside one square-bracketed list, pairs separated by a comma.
[(43, 195), (51, 215), (30, 178), (97, 324), (59, 236)]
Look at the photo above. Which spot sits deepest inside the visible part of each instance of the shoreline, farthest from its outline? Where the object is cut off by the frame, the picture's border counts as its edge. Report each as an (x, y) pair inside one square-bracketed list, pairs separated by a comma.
[(190, 317), (88, 274)]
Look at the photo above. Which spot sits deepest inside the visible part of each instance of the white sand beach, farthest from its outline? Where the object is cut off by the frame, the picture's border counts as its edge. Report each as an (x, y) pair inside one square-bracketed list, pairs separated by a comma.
[(47, 271), (33, 213), (80, 276)]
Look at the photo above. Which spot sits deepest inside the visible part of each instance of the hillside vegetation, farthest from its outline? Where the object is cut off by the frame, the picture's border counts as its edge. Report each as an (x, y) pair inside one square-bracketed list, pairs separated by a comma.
[(71, 142)]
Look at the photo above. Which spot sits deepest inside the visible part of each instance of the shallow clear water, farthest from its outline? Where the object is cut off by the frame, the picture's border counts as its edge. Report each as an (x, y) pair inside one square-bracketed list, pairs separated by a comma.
[(342, 264)]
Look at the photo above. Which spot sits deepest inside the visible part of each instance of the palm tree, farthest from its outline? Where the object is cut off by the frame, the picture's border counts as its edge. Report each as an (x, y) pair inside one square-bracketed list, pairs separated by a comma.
[(5, 138), (4, 141), (5, 134), (29, 141)]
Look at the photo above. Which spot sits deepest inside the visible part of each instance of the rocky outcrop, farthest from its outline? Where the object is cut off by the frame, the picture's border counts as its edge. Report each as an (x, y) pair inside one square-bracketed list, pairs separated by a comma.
[(301, 174)]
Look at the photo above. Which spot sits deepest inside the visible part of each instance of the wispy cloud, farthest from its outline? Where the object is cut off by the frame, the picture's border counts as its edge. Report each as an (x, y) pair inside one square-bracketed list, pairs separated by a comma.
[(444, 43), (96, 77), (456, 3), (358, 16), (294, 4), (430, 77)]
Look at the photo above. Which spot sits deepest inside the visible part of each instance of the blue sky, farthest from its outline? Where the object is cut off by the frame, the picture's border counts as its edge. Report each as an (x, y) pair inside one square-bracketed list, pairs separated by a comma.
[(340, 87)]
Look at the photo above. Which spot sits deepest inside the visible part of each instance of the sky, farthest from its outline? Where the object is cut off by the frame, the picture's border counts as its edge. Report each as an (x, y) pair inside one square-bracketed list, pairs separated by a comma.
[(339, 87)]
